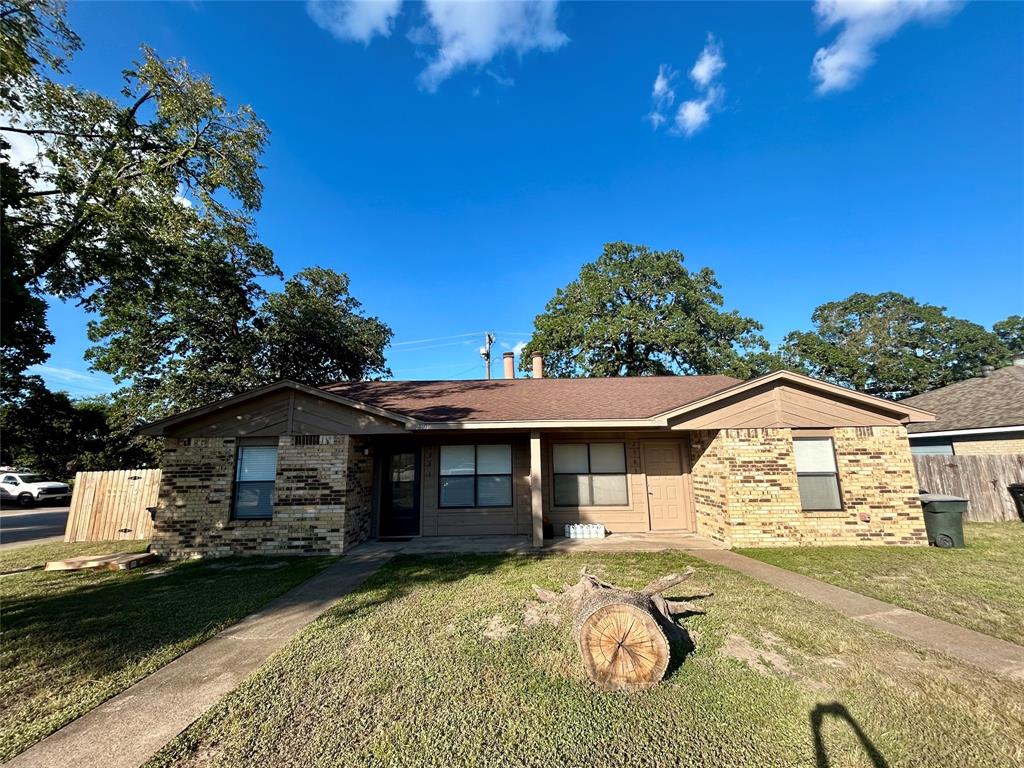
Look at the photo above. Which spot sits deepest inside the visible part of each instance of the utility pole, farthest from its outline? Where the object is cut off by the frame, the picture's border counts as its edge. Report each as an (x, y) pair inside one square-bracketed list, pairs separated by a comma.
[(485, 353)]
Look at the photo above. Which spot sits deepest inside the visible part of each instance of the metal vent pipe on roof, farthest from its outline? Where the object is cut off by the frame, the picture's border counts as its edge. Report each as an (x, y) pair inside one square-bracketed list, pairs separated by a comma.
[(509, 360)]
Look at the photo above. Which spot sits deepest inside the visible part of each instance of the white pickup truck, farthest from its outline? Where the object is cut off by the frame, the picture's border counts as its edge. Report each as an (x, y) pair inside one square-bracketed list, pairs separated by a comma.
[(30, 488)]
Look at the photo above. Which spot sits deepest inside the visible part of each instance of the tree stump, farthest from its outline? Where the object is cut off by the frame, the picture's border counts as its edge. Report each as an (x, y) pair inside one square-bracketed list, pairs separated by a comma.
[(624, 636)]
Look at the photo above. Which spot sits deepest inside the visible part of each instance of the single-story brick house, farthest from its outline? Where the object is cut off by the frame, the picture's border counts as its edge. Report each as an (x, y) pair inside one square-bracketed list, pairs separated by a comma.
[(778, 460)]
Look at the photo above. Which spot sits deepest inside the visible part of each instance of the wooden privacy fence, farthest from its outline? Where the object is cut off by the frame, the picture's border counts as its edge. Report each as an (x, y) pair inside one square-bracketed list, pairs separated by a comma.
[(107, 506), (982, 479)]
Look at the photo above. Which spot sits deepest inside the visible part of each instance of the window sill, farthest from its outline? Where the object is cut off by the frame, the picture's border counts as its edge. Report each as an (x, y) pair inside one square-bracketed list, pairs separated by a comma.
[(825, 513), (476, 509), (603, 508), (250, 521)]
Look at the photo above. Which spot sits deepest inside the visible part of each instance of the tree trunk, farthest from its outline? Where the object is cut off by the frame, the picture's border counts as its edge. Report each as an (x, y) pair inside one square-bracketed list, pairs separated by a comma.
[(624, 637)]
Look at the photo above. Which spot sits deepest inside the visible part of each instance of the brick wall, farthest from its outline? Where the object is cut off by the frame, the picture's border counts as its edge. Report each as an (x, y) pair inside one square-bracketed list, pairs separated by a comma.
[(746, 492), (322, 499), (964, 446), (709, 480)]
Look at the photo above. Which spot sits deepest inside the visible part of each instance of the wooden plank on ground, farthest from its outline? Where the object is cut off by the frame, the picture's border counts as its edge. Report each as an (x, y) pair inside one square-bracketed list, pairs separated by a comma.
[(117, 561)]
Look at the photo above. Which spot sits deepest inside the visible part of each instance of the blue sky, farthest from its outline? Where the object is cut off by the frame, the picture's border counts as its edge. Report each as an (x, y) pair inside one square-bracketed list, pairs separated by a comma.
[(461, 163)]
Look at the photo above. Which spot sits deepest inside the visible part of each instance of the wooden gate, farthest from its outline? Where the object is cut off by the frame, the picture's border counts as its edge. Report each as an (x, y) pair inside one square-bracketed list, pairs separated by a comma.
[(983, 479), (108, 506)]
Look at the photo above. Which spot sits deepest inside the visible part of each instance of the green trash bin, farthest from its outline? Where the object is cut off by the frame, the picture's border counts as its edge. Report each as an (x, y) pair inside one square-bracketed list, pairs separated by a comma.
[(944, 519)]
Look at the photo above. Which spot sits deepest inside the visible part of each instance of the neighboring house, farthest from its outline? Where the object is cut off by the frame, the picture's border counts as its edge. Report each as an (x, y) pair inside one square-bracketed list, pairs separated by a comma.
[(975, 446), (779, 460), (984, 415)]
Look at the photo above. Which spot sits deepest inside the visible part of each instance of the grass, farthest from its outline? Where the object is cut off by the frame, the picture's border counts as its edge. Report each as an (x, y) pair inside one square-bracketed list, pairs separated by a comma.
[(432, 662), (71, 640), (980, 587)]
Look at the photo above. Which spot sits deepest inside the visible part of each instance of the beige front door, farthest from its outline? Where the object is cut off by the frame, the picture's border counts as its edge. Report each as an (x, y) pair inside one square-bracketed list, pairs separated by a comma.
[(667, 491)]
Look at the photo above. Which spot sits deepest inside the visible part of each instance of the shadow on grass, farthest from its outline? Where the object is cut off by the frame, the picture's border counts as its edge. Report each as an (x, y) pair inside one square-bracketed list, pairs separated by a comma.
[(407, 573), (86, 625), (837, 710)]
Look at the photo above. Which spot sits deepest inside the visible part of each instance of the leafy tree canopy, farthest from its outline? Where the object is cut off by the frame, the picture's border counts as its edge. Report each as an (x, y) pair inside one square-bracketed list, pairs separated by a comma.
[(1011, 333), (51, 433), (888, 344), (106, 190), (177, 346), (639, 312), (313, 332)]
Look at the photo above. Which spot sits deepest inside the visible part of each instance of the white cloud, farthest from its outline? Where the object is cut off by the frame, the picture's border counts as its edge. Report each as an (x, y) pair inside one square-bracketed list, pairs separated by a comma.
[(864, 26), (519, 347), (355, 20), (457, 34), (693, 114), (709, 64), (663, 95), (696, 113), (470, 34)]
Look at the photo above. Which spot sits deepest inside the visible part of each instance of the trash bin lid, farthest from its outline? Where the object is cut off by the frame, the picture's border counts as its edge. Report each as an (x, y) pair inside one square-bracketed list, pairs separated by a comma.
[(928, 497)]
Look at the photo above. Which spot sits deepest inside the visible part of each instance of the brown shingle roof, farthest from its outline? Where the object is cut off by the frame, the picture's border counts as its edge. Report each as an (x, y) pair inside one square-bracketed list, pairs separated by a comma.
[(996, 400), (534, 399)]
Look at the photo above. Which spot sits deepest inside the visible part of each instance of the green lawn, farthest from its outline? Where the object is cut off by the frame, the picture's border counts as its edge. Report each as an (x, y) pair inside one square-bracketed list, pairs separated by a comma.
[(980, 586), (71, 640), (445, 662)]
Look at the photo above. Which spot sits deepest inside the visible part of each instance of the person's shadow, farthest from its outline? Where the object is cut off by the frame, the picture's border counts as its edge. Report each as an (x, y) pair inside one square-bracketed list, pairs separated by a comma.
[(835, 709)]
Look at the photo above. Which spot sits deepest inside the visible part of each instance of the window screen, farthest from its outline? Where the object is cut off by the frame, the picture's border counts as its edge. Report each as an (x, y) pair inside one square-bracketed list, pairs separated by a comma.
[(254, 482), (589, 474), (816, 473), (475, 476)]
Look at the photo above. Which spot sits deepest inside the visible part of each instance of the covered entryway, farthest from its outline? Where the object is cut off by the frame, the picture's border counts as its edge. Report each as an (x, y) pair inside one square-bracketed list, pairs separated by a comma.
[(668, 498)]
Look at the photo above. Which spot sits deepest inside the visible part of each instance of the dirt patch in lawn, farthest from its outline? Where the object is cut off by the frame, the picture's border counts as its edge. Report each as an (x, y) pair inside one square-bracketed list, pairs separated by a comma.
[(766, 660), (497, 628), (536, 614)]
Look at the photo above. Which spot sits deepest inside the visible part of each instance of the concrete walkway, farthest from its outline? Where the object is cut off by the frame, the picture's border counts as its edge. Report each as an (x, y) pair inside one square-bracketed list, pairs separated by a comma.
[(128, 729), (990, 653)]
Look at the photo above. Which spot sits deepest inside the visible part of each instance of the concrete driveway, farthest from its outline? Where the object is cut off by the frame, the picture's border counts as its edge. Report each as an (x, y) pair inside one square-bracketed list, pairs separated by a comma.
[(19, 526)]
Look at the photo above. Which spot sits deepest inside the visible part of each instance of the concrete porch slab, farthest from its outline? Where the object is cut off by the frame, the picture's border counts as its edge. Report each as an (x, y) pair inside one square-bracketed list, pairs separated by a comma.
[(616, 542), (634, 542)]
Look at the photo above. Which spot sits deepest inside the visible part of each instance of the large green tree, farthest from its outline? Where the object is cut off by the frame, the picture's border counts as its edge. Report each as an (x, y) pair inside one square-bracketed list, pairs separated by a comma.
[(890, 345), (105, 191), (141, 209), (1011, 333), (313, 331), (640, 312), (175, 346)]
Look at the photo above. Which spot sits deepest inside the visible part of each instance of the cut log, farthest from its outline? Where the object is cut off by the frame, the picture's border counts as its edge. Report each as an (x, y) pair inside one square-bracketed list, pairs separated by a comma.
[(624, 636), (622, 643)]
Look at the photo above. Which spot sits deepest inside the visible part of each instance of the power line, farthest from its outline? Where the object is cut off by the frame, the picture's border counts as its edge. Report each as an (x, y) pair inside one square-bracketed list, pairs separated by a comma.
[(436, 338)]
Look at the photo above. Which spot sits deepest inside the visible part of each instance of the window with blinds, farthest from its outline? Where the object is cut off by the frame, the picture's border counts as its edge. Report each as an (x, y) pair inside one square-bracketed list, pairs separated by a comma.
[(590, 474), (816, 474), (475, 476), (255, 470)]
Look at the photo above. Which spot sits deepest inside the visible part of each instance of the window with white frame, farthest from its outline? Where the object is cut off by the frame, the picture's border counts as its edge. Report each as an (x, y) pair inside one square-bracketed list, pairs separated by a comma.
[(589, 474), (816, 473), (255, 470), (475, 476)]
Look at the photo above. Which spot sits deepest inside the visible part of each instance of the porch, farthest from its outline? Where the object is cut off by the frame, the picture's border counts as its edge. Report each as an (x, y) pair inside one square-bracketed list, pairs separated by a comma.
[(616, 542)]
